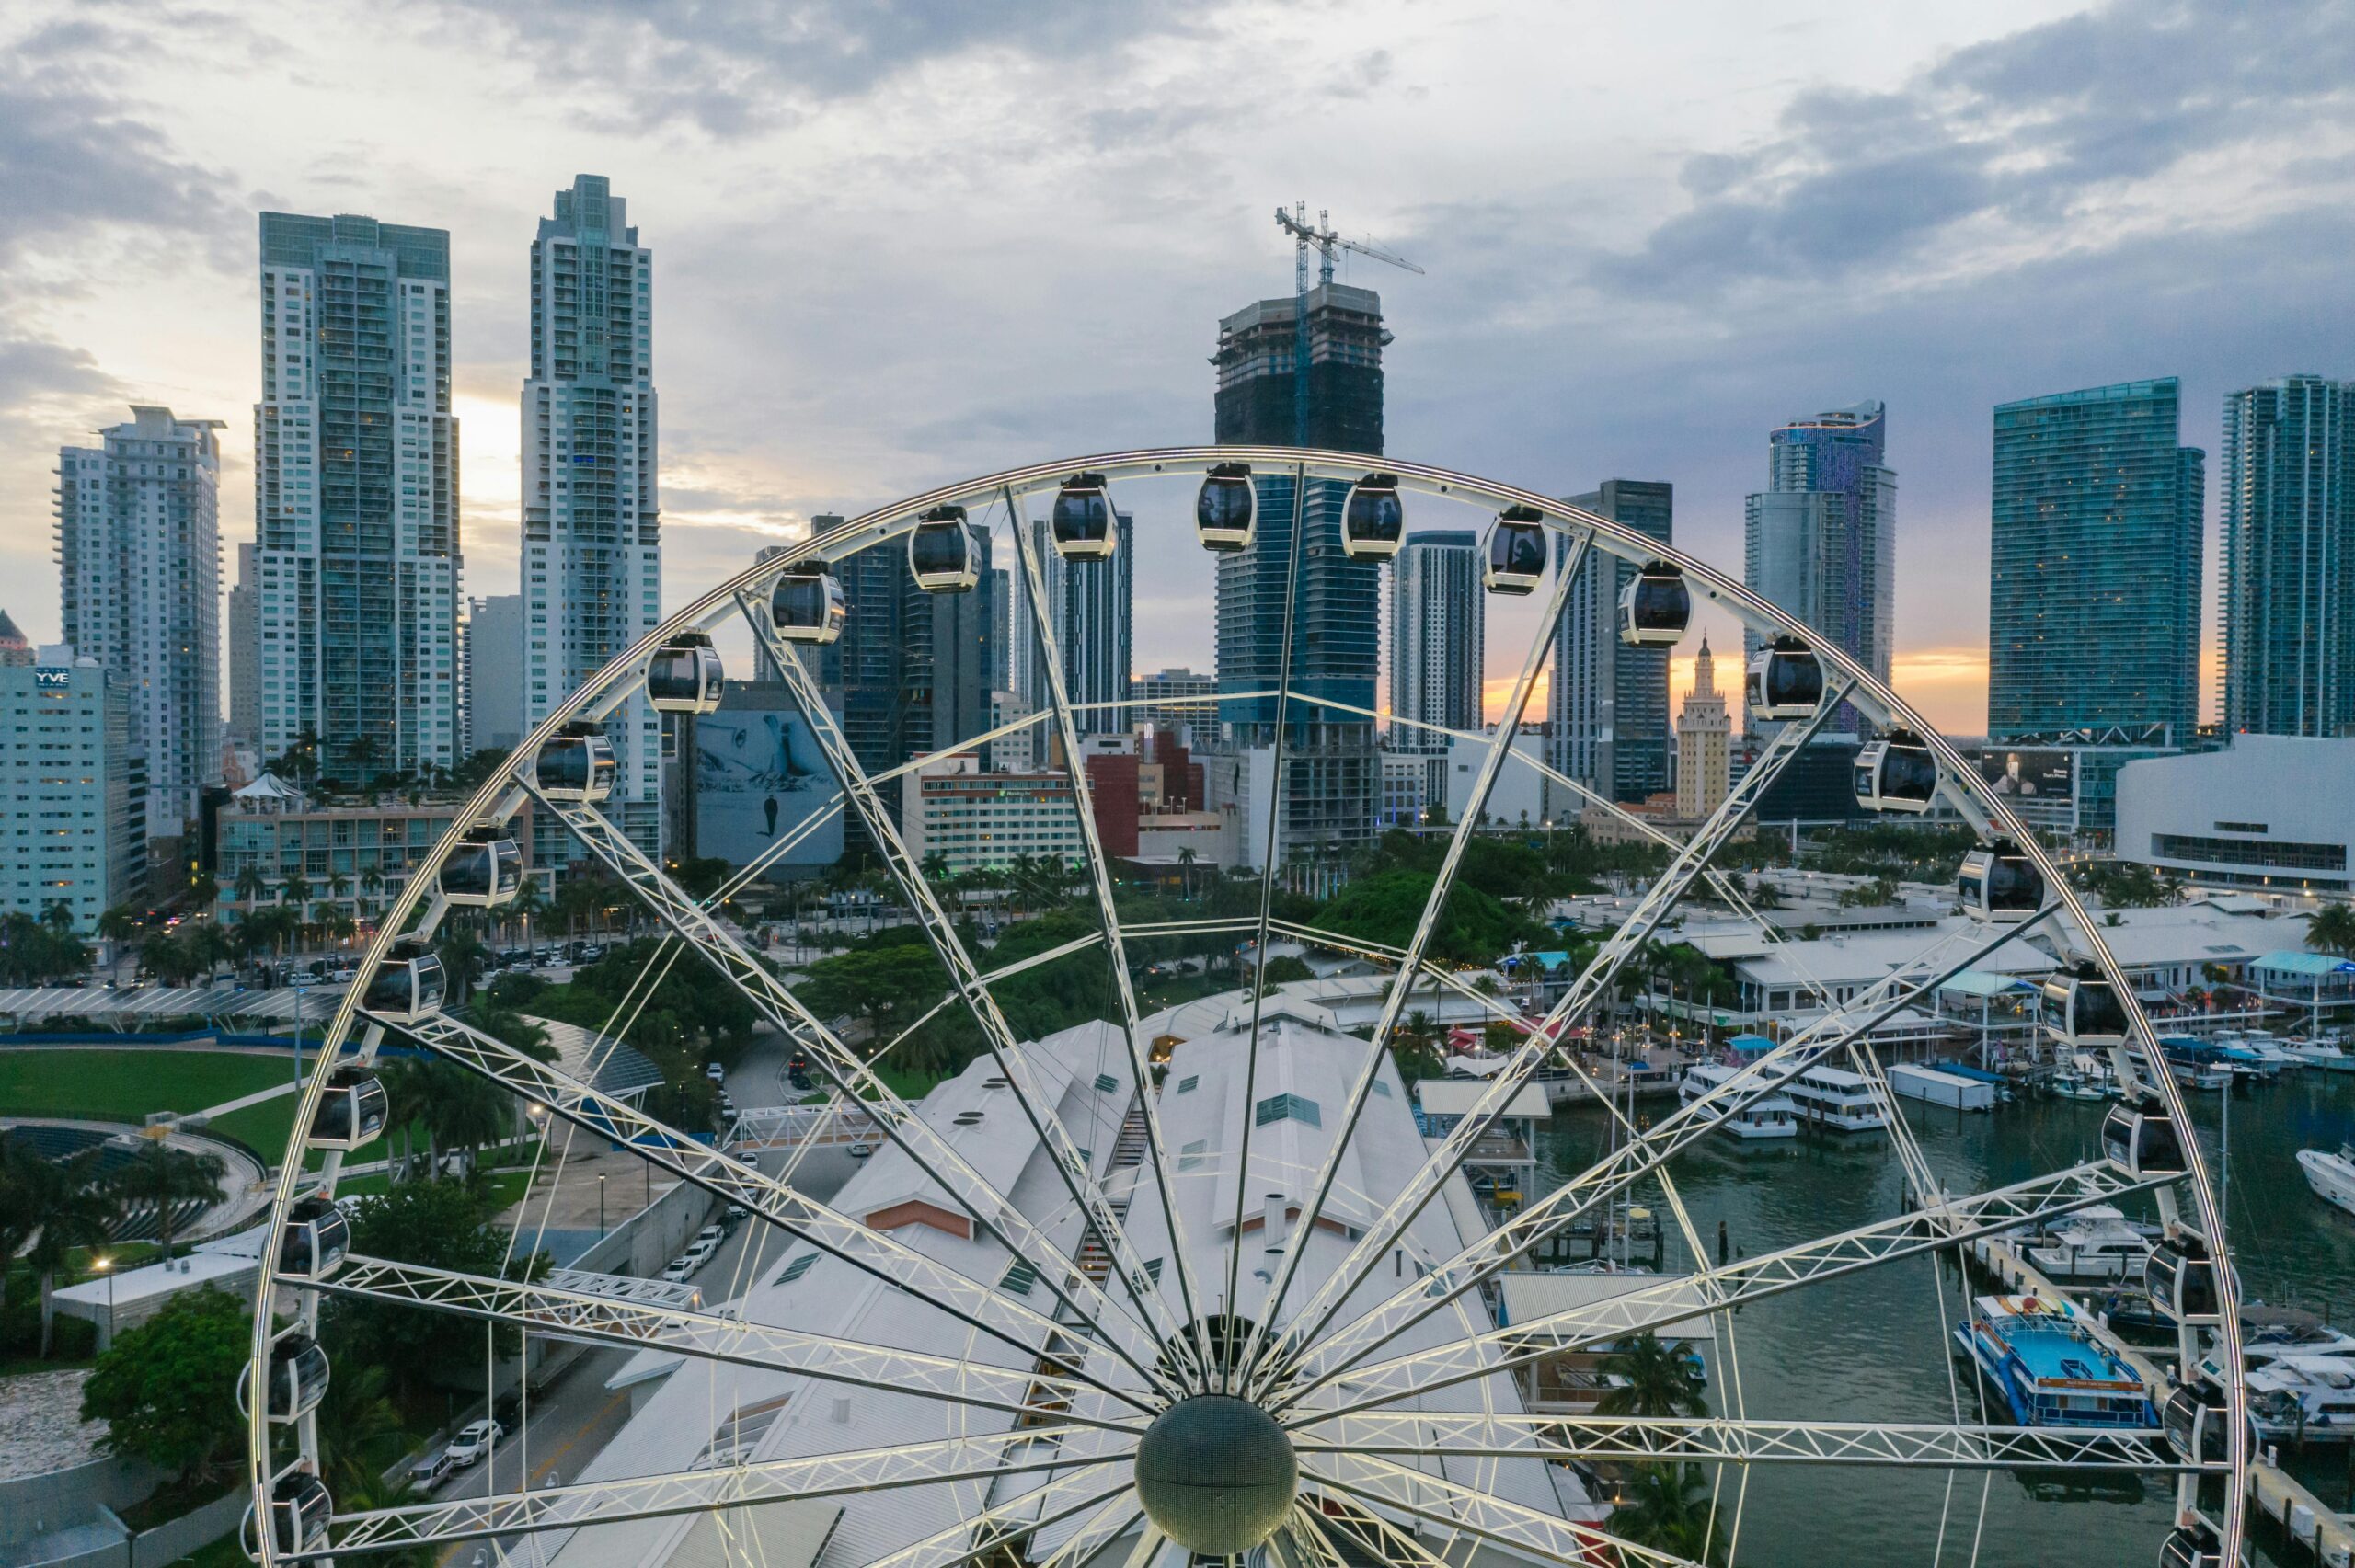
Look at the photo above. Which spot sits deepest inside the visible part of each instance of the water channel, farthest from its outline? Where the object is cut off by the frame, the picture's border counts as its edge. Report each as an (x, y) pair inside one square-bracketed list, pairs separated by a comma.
[(1872, 1346)]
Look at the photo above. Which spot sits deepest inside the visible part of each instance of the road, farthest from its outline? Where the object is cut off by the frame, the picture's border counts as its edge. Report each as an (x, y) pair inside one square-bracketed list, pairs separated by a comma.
[(571, 1420)]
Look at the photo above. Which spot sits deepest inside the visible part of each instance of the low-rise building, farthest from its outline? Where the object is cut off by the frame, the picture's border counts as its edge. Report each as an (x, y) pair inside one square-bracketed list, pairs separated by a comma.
[(976, 821), (368, 848), (2268, 811)]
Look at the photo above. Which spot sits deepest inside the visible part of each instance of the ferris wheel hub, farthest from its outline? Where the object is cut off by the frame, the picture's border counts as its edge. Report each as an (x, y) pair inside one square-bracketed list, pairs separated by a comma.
[(1216, 1474)]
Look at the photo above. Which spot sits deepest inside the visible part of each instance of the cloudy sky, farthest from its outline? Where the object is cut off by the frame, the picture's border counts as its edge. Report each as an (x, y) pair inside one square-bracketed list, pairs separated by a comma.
[(898, 244)]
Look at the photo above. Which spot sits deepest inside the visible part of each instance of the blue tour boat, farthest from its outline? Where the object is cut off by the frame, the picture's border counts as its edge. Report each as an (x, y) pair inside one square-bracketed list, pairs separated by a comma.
[(2051, 1367)]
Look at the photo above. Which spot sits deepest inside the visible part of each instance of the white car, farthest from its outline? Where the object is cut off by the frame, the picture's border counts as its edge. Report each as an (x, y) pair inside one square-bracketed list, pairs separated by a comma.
[(474, 1441), (710, 1235), (714, 1071), (861, 1151), (699, 1254), (676, 1271)]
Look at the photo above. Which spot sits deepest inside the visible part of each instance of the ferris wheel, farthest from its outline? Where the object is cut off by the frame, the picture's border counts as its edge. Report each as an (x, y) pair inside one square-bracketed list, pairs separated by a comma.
[(1161, 1289)]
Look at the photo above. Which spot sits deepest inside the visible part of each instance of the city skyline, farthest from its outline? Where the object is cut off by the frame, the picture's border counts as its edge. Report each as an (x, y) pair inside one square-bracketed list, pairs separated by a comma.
[(1738, 216)]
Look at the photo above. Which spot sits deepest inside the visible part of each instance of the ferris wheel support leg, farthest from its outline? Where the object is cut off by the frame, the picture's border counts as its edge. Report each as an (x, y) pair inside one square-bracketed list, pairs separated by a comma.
[(1079, 1180), (1394, 1001), (1434, 1171), (933, 1154)]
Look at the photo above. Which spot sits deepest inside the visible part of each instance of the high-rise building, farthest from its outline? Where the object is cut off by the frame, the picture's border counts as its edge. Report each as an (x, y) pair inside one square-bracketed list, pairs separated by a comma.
[(1091, 607), (1606, 703), (2287, 594), (356, 493), (495, 712), (245, 647), (67, 758), (1438, 633), (1176, 699), (2093, 586), (1332, 780), (1821, 539), (591, 563), (139, 564), (1703, 743)]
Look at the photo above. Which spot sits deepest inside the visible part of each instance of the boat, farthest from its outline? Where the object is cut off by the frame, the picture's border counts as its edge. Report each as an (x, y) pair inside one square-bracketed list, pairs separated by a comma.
[(1770, 1116), (2095, 1243), (2190, 1071), (2084, 1079), (2275, 1054), (2331, 1175), (2051, 1367), (1835, 1098), (2303, 1398), (2271, 1331), (2331, 1056)]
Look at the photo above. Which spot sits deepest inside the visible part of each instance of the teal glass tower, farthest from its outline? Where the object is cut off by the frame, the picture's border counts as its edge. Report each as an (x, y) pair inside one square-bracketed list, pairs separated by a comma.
[(2093, 591), (2287, 594)]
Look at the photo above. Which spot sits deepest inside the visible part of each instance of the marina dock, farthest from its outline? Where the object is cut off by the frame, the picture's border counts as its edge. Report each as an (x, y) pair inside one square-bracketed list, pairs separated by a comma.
[(2302, 1515)]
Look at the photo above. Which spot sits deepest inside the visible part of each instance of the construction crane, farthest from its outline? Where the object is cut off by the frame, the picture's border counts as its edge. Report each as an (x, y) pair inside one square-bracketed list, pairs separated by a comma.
[(1320, 235)]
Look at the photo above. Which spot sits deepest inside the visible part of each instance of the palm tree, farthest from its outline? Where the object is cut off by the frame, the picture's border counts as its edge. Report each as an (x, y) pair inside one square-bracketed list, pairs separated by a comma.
[(163, 1178), (297, 889), (1661, 1383), (339, 885), (71, 1207), (2332, 928), (58, 917), (1186, 858), (529, 900), (205, 890), (357, 1419), (1667, 1508), (118, 924), (213, 945), (251, 886)]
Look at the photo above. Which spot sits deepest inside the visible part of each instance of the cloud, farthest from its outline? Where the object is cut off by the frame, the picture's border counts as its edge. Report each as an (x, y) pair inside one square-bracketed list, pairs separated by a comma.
[(731, 69), (74, 158), (2023, 128)]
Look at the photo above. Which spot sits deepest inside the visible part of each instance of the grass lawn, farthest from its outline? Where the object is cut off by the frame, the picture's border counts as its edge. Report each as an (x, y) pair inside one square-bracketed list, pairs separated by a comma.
[(264, 1128), (909, 1086), (107, 1084)]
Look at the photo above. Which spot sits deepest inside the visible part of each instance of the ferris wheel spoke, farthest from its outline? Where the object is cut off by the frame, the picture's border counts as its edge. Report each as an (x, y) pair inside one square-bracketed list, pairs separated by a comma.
[(1564, 1439), (1120, 1333), (1361, 1529), (873, 1251), (1478, 1513), (1638, 1158), (1227, 1365), (556, 1314), (973, 1458), (1039, 1107), (1382, 1233), (1265, 1367), (1191, 1342), (1679, 1299)]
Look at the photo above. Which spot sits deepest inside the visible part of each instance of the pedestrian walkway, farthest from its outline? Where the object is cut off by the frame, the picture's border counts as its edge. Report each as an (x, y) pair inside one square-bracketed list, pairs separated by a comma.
[(256, 1098)]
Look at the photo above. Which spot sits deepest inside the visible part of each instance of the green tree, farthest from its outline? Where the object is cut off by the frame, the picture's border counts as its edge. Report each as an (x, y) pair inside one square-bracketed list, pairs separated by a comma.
[(1667, 1508), (358, 1423), (437, 1224), (164, 1388), (2332, 928), (63, 1207), (251, 886), (161, 1179), (1661, 1383)]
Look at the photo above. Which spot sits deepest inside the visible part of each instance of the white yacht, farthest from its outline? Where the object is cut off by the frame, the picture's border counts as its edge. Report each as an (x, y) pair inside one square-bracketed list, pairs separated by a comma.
[(1834, 1097), (2094, 1243), (2303, 1398), (2331, 1175), (1769, 1116)]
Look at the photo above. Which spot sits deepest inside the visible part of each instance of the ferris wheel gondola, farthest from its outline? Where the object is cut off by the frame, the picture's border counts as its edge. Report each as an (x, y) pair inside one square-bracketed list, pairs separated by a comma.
[(1226, 508), (1785, 681), (1999, 881), (1655, 607), (807, 606), (1081, 524), (684, 676), (1373, 518), (1514, 561), (1897, 773), (576, 764), (941, 552)]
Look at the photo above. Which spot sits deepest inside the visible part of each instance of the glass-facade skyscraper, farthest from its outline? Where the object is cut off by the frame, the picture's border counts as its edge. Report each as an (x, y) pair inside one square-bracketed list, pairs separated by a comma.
[(2094, 588), (592, 564), (1332, 770), (1438, 630), (1607, 704), (356, 493), (1821, 539), (2287, 594), (139, 565), (1092, 606)]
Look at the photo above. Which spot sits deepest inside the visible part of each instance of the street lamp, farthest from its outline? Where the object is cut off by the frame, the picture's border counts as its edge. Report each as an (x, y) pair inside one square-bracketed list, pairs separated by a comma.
[(106, 1266)]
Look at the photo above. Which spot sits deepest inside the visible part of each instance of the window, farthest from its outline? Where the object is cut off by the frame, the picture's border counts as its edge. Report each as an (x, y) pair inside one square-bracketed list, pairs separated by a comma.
[(1381, 1088), (1106, 1084), (1188, 1083), (1287, 1107), (1019, 1278), (1191, 1157), (796, 1268)]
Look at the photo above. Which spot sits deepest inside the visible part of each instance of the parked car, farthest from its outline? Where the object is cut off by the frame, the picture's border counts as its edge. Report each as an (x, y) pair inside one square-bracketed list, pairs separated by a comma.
[(737, 1211), (861, 1151), (433, 1470), (473, 1442), (699, 1254), (714, 1071), (676, 1271), (712, 1234)]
